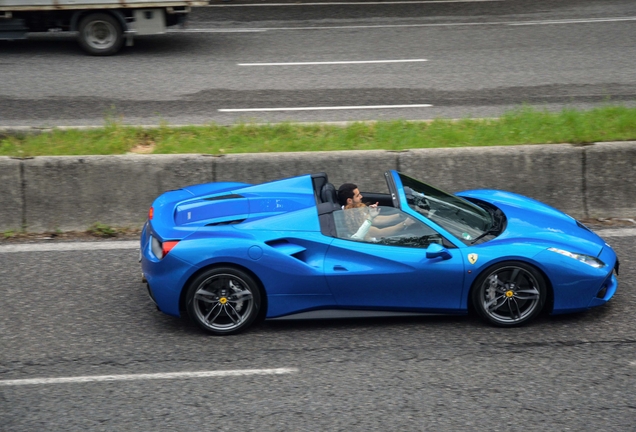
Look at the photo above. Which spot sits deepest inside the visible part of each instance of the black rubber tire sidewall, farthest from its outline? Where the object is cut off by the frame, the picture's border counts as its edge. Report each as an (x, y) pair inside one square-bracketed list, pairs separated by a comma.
[(248, 279), (478, 287), (101, 17)]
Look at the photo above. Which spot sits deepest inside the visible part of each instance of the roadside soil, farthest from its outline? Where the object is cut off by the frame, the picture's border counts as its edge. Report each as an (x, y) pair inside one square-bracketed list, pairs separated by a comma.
[(69, 236)]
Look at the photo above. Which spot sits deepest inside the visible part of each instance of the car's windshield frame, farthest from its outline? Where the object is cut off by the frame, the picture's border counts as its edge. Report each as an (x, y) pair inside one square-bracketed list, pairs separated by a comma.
[(459, 217)]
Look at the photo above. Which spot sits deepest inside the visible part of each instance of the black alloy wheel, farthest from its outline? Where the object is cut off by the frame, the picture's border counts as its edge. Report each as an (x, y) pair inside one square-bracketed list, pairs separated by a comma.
[(509, 294), (223, 300)]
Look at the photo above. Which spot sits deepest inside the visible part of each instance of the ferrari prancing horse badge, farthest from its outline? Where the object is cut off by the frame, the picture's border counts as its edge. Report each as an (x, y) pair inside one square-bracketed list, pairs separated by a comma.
[(472, 258)]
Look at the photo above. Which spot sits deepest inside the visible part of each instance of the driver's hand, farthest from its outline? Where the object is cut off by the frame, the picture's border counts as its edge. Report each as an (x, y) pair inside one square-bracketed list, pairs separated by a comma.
[(373, 211)]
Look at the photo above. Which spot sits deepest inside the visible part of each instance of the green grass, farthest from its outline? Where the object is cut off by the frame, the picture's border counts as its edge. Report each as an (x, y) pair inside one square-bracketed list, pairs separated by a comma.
[(99, 229), (521, 126)]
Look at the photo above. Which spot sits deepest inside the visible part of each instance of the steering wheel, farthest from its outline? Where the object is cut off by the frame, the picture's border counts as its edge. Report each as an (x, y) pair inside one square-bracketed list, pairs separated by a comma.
[(418, 198), (422, 202)]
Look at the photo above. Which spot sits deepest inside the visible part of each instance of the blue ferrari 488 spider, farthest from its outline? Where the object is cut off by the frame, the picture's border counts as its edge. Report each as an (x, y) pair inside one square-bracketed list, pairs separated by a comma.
[(231, 253)]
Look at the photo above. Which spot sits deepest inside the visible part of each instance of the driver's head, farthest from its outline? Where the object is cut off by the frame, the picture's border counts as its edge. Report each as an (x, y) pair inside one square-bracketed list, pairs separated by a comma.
[(349, 194)]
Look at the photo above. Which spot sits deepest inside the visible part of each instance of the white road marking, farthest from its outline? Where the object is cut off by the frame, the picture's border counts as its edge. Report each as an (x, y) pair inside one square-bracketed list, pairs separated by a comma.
[(69, 246), (332, 62), (213, 30), (139, 377), (325, 108), (380, 26), (617, 232), (353, 3), (574, 21), (134, 244), (347, 27)]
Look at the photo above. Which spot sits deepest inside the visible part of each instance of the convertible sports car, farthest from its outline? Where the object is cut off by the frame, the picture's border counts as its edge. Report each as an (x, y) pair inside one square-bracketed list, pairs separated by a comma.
[(231, 253)]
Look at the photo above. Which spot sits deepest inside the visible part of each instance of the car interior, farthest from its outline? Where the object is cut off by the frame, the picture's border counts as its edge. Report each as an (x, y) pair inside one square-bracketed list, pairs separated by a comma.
[(332, 222), (326, 192), (326, 196)]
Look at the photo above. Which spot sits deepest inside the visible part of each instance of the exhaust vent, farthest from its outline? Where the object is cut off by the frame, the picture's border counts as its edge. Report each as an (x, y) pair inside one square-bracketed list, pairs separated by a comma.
[(230, 222), (224, 197)]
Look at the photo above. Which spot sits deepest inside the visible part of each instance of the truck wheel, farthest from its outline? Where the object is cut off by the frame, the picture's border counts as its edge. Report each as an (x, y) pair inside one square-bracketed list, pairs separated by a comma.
[(100, 34)]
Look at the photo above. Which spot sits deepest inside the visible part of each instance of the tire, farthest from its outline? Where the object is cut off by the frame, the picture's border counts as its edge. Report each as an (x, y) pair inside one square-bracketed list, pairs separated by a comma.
[(509, 294), (223, 301), (100, 34)]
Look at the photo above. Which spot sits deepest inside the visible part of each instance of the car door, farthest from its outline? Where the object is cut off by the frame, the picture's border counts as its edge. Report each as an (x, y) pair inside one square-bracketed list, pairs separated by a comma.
[(394, 272)]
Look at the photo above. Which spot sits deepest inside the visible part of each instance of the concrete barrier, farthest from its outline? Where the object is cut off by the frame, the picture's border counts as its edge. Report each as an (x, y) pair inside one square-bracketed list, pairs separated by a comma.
[(610, 179), (549, 173), (45, 194), (364, 167), (11, 198), (72, 193)]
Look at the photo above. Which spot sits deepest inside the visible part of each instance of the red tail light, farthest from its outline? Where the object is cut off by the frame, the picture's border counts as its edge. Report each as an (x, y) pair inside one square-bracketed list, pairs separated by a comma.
[(160, 249), (167, 246), (151, 213)]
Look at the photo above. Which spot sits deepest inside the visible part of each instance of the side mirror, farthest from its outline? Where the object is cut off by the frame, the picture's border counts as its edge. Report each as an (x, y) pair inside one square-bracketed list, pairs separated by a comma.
[(437, 251)]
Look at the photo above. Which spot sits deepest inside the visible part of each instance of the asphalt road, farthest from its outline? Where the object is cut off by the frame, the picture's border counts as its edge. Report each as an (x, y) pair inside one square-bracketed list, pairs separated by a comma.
[(481, 59), (70, 314)]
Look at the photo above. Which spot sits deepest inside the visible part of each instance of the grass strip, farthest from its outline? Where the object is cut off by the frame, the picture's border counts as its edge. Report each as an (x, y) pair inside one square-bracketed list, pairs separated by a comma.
[(521, 126)]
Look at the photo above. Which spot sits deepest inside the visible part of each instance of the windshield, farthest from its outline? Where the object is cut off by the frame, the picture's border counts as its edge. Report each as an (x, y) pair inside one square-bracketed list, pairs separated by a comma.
[(464, 220)]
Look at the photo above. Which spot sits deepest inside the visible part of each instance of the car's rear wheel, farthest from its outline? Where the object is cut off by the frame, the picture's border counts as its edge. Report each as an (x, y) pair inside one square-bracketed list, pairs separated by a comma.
[(509, 294), (223, 301)]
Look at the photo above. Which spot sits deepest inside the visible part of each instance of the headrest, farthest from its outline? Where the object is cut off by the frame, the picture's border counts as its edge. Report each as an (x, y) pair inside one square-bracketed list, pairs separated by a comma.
[(328, 194), (319, 181)]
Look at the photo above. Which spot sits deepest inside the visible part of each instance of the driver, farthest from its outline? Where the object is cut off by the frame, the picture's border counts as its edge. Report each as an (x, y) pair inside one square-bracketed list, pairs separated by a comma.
[(365, 222)]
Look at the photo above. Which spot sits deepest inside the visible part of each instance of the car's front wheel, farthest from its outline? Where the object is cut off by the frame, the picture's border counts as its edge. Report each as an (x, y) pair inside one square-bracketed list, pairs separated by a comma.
[(223, 301), (509, 294)]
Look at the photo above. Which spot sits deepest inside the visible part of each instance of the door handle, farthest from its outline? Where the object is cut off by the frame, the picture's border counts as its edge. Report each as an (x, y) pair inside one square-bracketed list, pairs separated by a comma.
[(339, 268)]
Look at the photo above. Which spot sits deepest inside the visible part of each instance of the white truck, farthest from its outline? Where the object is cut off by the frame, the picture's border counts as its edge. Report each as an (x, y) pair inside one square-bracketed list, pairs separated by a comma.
[(102, 26)]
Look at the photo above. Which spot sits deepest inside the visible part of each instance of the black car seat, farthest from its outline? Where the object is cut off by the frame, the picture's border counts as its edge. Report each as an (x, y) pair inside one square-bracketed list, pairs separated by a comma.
[(318, 181), (328, 194), (326, 201)]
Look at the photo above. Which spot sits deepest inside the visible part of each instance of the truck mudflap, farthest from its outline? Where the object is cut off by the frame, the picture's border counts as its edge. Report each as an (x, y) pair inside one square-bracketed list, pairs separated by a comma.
[(13, 29)]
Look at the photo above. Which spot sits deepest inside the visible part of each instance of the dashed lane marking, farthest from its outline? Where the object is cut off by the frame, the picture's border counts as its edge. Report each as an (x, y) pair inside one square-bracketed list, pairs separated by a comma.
[(366, 3), (324, 108), (333, 62), (141, 377), (575, 21)]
